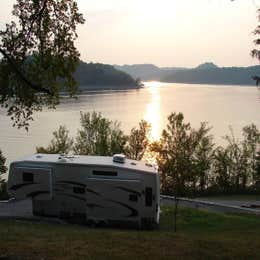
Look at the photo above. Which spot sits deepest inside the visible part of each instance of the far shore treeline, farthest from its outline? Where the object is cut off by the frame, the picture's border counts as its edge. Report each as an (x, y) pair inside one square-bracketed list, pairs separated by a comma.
[(189, 162), (206, 73), (95, 76)]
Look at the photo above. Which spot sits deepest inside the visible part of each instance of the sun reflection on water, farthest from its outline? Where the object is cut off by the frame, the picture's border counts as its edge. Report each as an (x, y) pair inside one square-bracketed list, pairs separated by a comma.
[(153, 113), (153, 116)]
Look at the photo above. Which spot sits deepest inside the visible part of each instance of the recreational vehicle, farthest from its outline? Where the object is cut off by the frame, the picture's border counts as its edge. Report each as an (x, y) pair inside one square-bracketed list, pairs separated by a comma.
[(91, 189)]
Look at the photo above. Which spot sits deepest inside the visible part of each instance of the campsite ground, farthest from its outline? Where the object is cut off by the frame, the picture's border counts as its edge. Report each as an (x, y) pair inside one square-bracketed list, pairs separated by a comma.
[(200, 235)]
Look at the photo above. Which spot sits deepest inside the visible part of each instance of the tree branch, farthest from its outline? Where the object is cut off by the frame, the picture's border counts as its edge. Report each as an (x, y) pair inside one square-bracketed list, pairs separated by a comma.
[(23, 78), (39, 14)]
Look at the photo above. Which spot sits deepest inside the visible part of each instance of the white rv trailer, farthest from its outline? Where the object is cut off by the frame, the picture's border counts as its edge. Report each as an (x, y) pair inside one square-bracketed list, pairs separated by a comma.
[(91, 189)]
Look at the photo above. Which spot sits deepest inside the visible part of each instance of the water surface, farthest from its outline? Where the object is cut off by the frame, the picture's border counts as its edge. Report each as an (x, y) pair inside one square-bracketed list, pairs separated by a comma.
[(221, 106)]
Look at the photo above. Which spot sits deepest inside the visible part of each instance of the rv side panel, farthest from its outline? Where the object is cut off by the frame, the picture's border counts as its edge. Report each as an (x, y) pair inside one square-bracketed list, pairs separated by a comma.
[(114, 200), (34, 182)]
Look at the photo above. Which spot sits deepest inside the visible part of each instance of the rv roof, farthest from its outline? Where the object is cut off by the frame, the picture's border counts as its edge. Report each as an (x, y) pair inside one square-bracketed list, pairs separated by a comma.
[(90, 160)]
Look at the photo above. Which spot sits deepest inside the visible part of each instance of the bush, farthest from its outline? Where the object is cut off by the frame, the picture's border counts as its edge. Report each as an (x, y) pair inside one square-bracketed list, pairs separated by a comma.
[(3, 185)]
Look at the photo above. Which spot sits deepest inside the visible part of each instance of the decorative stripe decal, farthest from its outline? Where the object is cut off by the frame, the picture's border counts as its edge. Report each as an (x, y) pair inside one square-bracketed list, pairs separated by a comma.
[(92, 205), (18, 186), (129, 190), (92, 191), (134, 212), (72, 196), (72, 182), (36, 193)]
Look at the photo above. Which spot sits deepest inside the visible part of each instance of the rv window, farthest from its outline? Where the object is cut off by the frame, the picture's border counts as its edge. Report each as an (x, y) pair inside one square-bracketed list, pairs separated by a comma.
[(78, 190), (148, 196), (28, 176), (105, 173)]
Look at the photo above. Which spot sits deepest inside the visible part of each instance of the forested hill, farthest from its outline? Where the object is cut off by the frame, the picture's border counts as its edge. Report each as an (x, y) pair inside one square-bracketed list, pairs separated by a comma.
[(92, 76), (206, 73), (214, 75)]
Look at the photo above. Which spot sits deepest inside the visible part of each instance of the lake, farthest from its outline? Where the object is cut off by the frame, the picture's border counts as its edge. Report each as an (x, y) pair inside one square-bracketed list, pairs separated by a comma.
[(220, 106)]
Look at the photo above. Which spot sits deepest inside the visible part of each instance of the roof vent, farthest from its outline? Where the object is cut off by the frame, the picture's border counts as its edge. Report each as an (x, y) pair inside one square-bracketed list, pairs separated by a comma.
[(119, 158)]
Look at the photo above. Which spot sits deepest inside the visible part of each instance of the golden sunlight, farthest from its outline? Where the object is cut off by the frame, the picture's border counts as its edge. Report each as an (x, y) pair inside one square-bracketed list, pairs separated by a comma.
[(153, 114)]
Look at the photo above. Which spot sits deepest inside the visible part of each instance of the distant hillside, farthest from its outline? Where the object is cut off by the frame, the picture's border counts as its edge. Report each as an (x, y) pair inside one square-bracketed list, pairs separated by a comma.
[(101, 76), (206, 73), (214, 75), (207, 66)]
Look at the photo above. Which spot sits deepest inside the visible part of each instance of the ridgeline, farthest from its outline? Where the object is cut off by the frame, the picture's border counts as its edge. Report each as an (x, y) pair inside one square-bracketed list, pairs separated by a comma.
[(206, 73)]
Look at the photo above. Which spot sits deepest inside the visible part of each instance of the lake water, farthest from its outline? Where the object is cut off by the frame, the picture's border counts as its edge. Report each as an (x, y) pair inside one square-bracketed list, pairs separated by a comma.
[(221, 106)]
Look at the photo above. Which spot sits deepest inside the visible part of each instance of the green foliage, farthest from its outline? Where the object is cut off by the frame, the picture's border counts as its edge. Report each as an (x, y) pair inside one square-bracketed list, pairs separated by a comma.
[(61, 142), (256, 52), (138, 141), (188, 163), (98, 136), (257, 171), (39, 56), (183, 156), (251, 147), (3, 169), (202, 158), (221, 163), (236, 166)]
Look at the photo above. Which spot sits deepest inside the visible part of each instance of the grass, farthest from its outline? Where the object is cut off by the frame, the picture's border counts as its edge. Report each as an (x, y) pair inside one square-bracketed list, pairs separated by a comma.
[(200, 235)]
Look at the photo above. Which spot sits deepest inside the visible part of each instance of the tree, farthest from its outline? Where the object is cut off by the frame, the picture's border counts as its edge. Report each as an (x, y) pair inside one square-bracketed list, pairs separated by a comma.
[(238, 163), (203, 156), (221, 169), (138, 141), (257, 171), (235, 167), (251, 147), (38, 56), (256, 52), (61, 142), (99, 136), (177, 157), (3, 170)]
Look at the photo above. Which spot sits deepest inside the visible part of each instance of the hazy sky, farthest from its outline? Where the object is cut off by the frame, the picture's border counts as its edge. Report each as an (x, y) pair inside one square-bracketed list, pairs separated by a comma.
[(165, 32)]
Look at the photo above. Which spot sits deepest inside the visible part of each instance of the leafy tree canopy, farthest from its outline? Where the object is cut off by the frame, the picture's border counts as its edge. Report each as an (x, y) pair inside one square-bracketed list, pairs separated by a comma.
[(138, 141), (3, 168), (183, 155), (38, 56), (61, 142), (99, 136), (256, 52)]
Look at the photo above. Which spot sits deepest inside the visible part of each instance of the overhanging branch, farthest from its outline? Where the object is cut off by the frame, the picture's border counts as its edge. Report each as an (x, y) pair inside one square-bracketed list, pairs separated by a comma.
[(37, 16), (23, 78)]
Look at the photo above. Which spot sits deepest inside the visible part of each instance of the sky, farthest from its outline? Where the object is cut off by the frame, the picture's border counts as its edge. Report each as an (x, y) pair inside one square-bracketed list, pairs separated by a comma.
[(167, 33)]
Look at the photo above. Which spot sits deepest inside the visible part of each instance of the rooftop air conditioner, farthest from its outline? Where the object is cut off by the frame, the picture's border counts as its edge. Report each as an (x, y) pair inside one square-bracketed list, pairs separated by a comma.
[(119, 158)]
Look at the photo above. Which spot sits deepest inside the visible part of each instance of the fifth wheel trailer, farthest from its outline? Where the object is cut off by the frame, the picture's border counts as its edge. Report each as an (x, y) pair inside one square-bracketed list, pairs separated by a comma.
[(91, 189)]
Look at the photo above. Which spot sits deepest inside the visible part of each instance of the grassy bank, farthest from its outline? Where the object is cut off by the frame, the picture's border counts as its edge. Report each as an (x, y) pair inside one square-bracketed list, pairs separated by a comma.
[(201, 235)]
